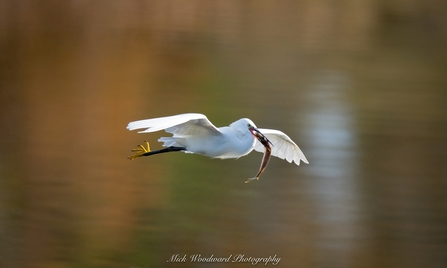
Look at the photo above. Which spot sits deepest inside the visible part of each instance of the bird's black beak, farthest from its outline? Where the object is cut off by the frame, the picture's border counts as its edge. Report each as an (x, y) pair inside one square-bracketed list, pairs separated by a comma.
[(261, 137)]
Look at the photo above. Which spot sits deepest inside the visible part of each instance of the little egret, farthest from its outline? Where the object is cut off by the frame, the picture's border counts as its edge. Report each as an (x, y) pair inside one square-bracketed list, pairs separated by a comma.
[(194, 133)]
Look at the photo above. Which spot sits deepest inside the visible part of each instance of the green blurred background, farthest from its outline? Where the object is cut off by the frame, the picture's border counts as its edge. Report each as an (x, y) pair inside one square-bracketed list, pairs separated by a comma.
[(360, 85)]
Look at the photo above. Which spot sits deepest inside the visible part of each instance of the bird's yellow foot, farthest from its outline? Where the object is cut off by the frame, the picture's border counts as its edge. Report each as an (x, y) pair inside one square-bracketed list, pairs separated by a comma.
[(252, 179), (140, 150)]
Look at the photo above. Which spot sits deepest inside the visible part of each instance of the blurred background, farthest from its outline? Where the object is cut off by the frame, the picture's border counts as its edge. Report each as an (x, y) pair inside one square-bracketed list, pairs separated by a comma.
[(359, 85)]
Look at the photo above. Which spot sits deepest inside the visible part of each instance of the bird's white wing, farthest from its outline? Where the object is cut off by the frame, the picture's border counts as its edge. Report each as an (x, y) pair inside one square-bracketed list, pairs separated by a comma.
[(179, 125), (283, 147)]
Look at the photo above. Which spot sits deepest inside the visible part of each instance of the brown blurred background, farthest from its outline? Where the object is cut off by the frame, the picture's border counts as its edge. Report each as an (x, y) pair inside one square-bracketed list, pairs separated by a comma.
[(360, 85)]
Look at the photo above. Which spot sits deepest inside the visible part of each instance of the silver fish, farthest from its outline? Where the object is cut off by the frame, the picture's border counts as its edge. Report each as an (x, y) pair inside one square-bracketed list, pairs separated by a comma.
[(265, 158)]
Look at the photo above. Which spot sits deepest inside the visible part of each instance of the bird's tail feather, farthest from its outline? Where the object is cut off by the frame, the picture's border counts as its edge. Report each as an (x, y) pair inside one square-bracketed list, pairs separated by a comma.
[(172, 141)]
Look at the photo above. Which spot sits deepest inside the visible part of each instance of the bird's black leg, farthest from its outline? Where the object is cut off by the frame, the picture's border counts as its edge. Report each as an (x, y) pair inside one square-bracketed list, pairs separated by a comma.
[(146, 151), (165, 150)]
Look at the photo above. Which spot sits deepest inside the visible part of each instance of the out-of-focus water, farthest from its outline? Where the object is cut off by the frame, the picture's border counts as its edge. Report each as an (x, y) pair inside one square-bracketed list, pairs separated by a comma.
[(360, 87)]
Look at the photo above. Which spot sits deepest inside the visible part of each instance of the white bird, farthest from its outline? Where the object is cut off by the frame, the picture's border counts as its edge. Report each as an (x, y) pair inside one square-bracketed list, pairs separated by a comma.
[(194, 133)]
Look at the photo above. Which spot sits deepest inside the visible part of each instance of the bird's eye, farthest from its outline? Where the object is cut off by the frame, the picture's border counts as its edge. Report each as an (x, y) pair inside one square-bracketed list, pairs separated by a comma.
[(248, 125)]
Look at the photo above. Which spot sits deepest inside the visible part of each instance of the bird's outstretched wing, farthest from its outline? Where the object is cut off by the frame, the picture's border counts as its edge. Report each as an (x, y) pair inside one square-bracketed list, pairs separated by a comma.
[(179, 125), (283, 147)]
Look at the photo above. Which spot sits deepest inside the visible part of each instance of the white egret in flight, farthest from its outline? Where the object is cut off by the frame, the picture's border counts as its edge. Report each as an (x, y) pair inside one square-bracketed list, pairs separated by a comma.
[(194, 133)]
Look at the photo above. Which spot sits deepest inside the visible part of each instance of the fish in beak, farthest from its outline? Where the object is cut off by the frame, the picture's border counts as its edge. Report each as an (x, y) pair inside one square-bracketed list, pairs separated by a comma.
[(268, 151), (261, 137)]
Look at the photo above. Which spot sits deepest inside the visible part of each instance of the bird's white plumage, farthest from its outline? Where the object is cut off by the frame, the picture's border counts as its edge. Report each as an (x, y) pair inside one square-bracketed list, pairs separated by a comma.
[(195, 132), (283, 146), (198, 135)]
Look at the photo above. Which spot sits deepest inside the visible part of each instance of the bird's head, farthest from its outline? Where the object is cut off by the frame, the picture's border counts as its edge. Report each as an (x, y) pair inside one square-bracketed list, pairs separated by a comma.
[(245, 126), (248, 124)]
